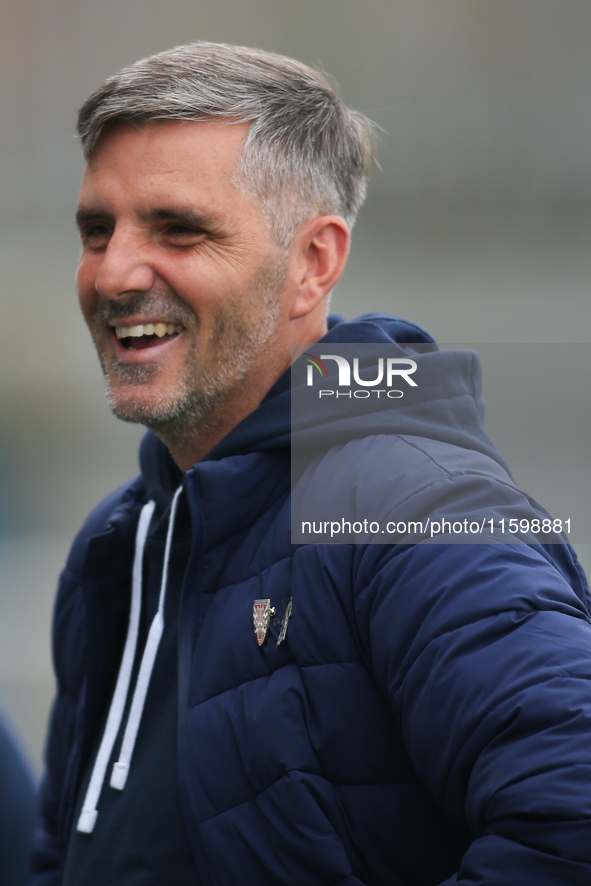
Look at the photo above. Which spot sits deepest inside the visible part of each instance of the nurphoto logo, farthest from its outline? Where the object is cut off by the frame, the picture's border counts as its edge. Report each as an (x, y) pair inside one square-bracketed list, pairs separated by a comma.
[(387, 372)]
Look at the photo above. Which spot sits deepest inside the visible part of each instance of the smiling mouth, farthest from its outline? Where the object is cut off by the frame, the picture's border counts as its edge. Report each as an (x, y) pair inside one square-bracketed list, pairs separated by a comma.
[(146, 335)]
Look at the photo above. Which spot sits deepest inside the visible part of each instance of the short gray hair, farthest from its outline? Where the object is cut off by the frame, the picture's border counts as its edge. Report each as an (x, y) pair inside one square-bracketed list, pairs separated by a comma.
[(306, 153)]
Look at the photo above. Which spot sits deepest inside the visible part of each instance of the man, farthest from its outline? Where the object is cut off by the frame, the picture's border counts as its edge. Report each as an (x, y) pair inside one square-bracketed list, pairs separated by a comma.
[(402, 713)]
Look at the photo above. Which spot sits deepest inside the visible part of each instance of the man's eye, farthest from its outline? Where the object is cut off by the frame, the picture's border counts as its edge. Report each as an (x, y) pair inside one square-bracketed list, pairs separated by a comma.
[(183, 233), (95, 235)]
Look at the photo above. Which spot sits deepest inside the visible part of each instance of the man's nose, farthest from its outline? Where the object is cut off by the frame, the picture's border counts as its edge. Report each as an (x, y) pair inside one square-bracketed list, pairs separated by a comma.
[(125, 268)]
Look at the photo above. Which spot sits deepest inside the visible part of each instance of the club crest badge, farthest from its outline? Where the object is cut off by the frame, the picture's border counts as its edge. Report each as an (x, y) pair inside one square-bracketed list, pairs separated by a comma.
[(261, 616)]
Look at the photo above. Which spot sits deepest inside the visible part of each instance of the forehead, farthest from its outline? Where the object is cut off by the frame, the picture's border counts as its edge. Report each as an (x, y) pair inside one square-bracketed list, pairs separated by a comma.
[(165, 156)]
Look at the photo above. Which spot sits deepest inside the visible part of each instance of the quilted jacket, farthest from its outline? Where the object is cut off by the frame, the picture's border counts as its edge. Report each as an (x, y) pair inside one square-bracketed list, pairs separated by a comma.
[(427, 719)]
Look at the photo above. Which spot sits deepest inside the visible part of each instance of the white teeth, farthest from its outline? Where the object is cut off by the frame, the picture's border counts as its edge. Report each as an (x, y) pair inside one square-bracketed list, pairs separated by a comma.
[(159, 329), (129, 331)]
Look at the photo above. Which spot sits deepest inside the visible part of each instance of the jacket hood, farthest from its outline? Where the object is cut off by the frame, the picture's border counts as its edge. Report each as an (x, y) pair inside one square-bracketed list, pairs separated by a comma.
[(447, 405)]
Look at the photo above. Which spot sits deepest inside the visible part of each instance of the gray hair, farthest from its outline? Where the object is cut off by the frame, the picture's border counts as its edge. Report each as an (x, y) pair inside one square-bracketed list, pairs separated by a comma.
[(306, 153)]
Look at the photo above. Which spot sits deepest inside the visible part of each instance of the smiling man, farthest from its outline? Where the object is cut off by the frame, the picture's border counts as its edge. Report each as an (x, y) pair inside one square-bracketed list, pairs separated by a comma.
[(233, 708)]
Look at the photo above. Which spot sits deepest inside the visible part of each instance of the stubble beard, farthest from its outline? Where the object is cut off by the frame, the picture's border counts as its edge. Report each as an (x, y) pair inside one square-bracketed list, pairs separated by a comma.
[(194, 405)]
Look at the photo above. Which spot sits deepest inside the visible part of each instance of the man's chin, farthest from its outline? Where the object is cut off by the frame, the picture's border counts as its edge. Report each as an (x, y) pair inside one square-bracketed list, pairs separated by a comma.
[(139, 408), (172, 414)]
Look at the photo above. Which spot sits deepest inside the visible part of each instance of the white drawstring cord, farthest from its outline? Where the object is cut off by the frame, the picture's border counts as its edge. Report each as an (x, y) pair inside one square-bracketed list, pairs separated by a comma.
[(89, 811), (121, 767)]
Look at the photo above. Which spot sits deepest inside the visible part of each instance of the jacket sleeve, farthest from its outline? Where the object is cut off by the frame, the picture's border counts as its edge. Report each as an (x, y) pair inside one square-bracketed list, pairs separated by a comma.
[(67, 624), (46, 846), (484, 652), (69, 658), (46, 854)]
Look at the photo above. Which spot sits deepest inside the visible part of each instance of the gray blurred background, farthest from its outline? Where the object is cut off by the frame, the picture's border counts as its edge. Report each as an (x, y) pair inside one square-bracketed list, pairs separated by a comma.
[(478, 226)]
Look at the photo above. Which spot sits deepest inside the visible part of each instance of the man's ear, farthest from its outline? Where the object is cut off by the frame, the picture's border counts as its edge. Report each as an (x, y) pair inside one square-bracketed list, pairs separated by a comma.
[(320, 251)]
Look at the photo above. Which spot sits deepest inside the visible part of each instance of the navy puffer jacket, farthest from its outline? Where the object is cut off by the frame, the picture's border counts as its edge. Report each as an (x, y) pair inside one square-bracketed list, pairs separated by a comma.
[(427, 719)]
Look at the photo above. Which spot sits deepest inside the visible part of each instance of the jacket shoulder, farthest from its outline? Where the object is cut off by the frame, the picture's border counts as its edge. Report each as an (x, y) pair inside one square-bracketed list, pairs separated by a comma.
[(396, 477), (113, 508)]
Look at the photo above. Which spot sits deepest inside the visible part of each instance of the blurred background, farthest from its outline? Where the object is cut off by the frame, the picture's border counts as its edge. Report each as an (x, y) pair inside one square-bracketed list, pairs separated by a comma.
[(477, 225)]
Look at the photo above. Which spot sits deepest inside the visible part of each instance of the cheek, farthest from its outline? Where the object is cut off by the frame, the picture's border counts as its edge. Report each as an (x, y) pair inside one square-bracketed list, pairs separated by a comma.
[(201, 290)]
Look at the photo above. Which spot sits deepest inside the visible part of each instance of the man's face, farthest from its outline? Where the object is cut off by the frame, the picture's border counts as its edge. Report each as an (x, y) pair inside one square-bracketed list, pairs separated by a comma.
[(180, 280)]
